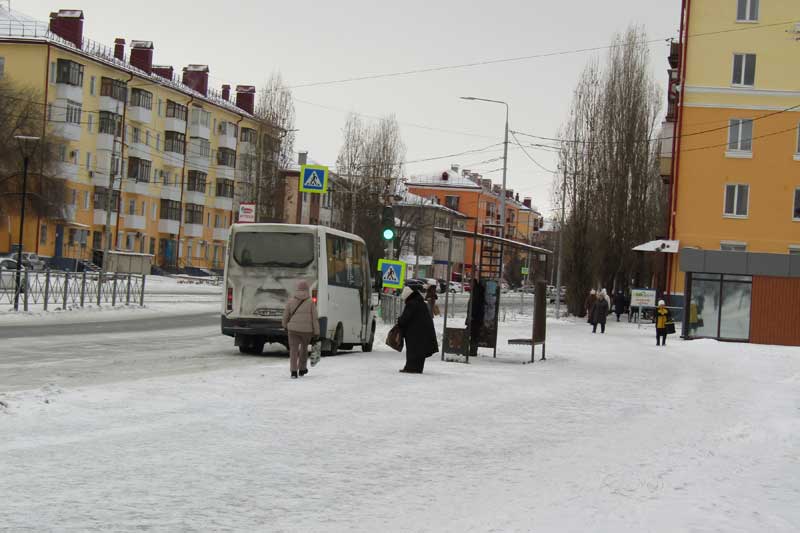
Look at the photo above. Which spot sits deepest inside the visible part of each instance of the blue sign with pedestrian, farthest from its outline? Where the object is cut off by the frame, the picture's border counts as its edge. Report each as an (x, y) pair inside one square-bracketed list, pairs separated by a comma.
[(314, 179), (393, 273)]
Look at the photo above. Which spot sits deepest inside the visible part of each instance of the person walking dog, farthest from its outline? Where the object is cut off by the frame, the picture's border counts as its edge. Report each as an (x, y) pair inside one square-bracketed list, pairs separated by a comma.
[(302, 324), (416, 324), (663, 317)]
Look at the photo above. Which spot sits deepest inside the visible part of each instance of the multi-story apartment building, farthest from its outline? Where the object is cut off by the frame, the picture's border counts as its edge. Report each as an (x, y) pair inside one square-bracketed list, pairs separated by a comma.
[(734, 170), (176, 154), (479, 199)]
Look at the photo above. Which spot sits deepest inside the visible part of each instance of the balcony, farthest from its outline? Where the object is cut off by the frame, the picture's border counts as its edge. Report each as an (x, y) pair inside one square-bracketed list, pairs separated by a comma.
[(168, 226), (139, 149), (193, 230), (140, 114), (226, 140), (100, 217), (67, 130), (65, 91), (225, 173), (69, 213), (171, 193), (136, 222), (174, 124), (99, 179), (674, 54), (220, 202), (220, 234), (112, 105), (134, 186), (172, 159), (194, 197), (105, 142), (198, 130), (68, 171)]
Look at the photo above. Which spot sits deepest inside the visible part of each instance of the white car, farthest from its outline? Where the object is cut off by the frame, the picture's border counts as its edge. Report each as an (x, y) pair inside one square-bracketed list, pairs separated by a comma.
[(8, 272), (456, 287)]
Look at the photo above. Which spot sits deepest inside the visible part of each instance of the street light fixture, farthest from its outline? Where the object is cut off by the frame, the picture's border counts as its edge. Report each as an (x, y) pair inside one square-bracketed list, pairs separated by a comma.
[(27, 145), (505, 169)]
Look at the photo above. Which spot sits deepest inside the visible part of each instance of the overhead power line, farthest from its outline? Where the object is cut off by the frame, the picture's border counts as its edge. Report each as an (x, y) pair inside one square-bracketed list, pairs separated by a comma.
[(535, 162), (425, 70)]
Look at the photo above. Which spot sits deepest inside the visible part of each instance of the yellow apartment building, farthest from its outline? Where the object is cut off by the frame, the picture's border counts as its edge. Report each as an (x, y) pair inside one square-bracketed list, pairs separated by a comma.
[(735, 183), (175, 153)]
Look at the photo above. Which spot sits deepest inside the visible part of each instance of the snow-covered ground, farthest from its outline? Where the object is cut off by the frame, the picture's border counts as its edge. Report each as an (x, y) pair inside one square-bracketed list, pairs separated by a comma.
[(610, 434)]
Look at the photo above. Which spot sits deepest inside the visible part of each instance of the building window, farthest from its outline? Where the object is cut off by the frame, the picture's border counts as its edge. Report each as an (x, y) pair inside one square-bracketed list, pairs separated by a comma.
[(744, 69), (730, 246), (116, 89), (196, 181), (141, 98), (110, 123), (158, 141), (73, 112), (160, 106), (89, 122), (747, 11), (451, 202), (43, 234), (147, 137), (53, 71), (69, 72), (86, 200), (144, 208), (136, 135), (131, 207), (226, 157), (736, 200), (740, 135), (248, 135), (139, 169), (200, 147), (225, 188), (174, 142), (175, 110), (200, 117), (129, 238), (170, 210), (194, 214), (216, 221), (92, 85), (100, 197), (88, 160), (155, 212), (796, 211)]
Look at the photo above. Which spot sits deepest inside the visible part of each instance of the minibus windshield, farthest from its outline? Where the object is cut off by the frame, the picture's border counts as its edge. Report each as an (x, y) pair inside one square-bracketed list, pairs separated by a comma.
[(271, 249)]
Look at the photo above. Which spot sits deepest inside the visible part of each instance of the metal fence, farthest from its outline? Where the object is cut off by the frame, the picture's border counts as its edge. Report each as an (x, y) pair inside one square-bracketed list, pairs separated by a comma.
[(64, 290)]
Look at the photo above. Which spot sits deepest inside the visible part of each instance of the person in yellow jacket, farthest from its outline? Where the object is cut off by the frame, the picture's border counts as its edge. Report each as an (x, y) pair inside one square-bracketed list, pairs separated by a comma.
[(662, 317)]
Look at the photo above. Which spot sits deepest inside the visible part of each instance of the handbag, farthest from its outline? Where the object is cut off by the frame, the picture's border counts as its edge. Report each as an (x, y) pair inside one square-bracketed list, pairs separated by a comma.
[(670, 328), (394, 339)]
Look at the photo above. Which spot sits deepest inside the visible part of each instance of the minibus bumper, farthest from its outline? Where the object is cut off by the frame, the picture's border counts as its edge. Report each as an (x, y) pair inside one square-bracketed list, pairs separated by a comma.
[(261, 327)]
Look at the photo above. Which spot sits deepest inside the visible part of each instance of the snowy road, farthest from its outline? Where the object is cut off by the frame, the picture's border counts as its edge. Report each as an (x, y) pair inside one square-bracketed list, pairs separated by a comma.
[(174, 430)]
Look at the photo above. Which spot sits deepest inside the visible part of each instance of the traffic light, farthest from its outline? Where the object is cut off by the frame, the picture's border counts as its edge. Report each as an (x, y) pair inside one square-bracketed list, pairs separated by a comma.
[(388, 223)]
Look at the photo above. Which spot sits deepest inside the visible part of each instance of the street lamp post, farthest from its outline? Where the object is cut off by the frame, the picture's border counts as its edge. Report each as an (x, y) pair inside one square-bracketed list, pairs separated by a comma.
[(27, 144)]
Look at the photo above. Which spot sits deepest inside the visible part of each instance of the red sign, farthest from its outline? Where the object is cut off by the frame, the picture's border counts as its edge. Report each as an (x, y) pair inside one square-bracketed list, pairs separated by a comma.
[(247, 212)]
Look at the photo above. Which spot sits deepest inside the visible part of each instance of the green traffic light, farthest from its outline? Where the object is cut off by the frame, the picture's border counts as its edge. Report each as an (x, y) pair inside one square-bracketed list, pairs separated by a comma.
[(388, 234)]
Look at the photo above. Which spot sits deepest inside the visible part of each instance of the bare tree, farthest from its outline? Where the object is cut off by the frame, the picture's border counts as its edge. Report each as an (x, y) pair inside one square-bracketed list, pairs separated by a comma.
[(22, 113), (608, 170)]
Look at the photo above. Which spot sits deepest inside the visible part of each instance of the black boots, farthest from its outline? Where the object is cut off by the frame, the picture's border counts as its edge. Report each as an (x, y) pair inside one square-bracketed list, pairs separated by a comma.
[(294, 374), (303, 372)]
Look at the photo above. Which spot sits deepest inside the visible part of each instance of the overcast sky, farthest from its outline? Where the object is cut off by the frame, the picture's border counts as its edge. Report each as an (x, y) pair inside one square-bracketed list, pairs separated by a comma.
[(244, 41)]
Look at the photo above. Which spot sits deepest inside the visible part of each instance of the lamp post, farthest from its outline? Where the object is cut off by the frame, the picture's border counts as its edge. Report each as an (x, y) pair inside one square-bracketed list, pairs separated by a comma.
[(27, 144)]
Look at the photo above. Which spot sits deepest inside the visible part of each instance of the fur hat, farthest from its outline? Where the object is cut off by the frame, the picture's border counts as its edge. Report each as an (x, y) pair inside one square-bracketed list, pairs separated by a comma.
[(661, 303), (407, 291), (593, 291)]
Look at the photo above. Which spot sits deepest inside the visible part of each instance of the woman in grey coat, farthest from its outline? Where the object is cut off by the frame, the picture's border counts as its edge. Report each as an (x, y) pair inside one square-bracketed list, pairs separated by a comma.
[(302, 324)]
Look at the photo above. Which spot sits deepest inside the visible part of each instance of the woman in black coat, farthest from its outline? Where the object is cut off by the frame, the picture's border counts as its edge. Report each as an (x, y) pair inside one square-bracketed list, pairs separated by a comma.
[(599, 314), (416, 323), (619, 304)]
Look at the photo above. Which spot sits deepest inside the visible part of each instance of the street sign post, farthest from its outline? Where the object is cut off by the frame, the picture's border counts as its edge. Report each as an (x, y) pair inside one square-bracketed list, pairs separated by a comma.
[(247, 212), (643, 298), (393, 273), (314, 179)]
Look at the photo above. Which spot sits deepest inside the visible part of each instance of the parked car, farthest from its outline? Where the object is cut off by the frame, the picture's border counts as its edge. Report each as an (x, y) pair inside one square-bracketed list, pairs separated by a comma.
[(8, 272), (32, 261), (416, 284), (456, 287), (466, 287)]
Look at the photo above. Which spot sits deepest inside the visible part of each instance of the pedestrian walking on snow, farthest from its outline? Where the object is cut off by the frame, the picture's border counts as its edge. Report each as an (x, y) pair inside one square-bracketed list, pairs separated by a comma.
[(599, 314), (619, 304), (663, 316), (416, 323), (302, 325), (589, 305), (430, 298)]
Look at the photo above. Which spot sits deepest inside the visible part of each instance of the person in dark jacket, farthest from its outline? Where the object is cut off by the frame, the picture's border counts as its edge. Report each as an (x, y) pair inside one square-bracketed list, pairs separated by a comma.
[(589, 305), (619, 304), (431, 297), (476, 312), (599, 314), (416, 323)]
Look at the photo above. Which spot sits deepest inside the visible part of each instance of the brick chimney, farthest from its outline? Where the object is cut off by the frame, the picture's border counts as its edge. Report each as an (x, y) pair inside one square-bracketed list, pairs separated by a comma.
[(196, 77), (165, 71), (226, 92), (527, 202), (445, 176), (68, 24), (516, 198), (246, 98), (142, 55), (119, 48)]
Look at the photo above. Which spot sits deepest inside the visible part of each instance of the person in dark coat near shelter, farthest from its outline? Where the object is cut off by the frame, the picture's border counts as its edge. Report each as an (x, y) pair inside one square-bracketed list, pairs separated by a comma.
[(476, 309), (599, 314), (589, 305), (416, 323), (619, 304)]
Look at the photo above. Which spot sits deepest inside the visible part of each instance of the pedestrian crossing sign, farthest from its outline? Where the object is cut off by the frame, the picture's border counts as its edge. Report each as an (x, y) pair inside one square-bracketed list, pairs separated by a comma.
[(314, 179), (393, 273)]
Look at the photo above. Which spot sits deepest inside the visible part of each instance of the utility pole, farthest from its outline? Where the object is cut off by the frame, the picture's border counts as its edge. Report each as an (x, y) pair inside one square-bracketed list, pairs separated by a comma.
[(26, 145), (109, 193), (561, 243)]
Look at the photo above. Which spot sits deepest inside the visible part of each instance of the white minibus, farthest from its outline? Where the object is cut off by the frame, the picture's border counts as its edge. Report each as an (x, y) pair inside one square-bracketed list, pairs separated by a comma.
[(262, 267)]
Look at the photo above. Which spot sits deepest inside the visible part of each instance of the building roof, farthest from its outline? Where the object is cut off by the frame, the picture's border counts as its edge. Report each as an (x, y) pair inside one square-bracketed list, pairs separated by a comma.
[(410, 199), (19, 26), (454, 179)]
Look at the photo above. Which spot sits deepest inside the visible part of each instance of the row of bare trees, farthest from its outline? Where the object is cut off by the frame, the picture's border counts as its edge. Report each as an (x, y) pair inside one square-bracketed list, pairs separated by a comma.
[(369, 165), (608, 170)]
